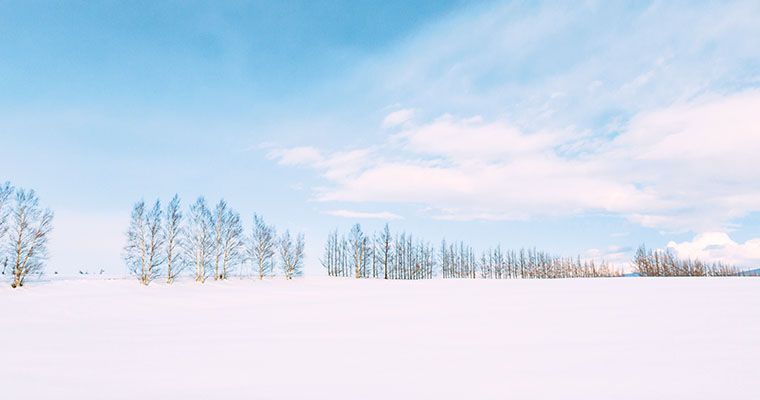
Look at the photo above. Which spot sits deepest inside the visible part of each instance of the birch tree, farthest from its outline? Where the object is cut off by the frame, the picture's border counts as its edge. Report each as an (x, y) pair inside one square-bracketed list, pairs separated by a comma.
[(6, 190), (232, 242), (262, 246), (199, 239), (143, 248), (220, 223), (173, 238), (155, 242), (358, 244), (291, 254), (29, 226), (385, 245)]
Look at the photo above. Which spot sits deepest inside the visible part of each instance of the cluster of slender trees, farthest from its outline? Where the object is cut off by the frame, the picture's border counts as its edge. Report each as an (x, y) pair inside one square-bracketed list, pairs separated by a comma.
[(378, 256), (648, 262), (24, 230), (459, 261), (400, 256), (210, 243)]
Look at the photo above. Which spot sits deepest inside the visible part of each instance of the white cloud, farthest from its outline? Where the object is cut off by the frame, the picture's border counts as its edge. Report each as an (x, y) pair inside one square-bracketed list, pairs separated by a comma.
[(364, 215), (296, 155), (398, 117), (718, 246), (688, 166)]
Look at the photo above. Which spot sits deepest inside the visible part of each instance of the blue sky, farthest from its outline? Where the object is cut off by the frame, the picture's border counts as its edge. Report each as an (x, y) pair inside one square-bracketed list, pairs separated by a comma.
[(580, 128)]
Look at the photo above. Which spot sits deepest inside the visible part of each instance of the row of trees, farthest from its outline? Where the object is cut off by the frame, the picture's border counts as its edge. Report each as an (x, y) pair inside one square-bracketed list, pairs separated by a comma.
[(378, 256), (400, 256), (211, 243), (649, 262), (459, 261), (24, 230)]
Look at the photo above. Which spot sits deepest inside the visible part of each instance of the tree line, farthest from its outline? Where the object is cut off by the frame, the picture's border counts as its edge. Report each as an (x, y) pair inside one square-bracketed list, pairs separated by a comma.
[(208, 243), (24, 230), (401, 256), (648, 262)]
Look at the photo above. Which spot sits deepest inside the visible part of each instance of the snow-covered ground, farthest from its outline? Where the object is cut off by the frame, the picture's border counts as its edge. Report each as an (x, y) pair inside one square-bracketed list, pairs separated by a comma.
[(634, 338)]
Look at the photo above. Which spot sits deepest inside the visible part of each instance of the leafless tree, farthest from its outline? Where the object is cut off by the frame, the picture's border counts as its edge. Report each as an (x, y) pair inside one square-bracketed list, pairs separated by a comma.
[(232, 242), (29, 228), (358, 243), (155, 241), (173, 237), (291, 254), (385, 250), (200, 245), (6, 190), (219, 223), (135, 250), (142, 253), (261, 246)]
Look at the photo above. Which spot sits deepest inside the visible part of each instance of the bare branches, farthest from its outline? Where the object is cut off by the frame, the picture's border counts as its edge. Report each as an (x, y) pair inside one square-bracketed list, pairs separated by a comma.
[(358, 243), (232, 242), (199, 239), (6, 190), (29, 227), (261, 246), (155, 242), (213, 243), (173, 232), (665, 263), (143, 250), (291, 254), (220, 214)]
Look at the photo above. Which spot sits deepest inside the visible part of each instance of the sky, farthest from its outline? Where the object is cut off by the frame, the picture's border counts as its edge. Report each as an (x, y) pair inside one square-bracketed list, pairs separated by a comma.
[(581, 128)]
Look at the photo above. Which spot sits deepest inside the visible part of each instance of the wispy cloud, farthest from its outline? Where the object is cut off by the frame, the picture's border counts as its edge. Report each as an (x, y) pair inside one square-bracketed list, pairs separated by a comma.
[(398, 117), (549, 109), (364, 215), (661, 171)]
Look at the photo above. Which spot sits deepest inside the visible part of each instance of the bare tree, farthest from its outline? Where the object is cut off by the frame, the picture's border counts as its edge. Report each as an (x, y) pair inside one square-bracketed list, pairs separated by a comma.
[(220, 214), (358, 250), (291, 254), (29, 228), (5, 193), (199, 238), (155, 241), (262, 246), (135, 249), (144, 240), (6, 190), (385, 244), (172, 236), (232, 242)]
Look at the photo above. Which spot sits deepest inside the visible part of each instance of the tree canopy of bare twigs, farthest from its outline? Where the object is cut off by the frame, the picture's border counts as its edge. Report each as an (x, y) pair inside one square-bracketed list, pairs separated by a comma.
[(173, 232), (261, 246), (291, 254), (200, 244), (28, 227), (649, 262), (143, 252)]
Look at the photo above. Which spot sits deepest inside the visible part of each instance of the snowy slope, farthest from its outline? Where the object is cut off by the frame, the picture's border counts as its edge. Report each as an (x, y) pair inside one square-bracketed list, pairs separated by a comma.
[(642, 338)]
